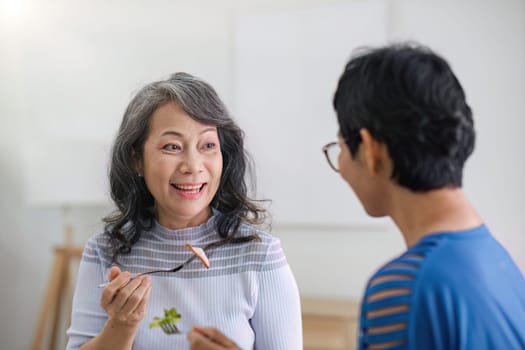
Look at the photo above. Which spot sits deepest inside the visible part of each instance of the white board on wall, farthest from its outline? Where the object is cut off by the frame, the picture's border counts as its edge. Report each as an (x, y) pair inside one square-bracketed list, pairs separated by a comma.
[(286, 67)]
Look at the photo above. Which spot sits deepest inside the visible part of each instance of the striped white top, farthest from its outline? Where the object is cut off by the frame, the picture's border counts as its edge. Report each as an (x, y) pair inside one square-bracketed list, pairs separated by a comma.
[(249, 291)]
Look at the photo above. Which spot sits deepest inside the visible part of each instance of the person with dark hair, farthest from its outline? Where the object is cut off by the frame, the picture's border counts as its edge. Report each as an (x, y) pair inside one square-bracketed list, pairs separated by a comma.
[(405, 132), (178, 177)]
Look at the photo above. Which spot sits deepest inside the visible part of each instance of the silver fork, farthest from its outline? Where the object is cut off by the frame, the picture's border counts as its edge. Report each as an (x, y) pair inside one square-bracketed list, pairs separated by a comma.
[(169, 328), (175, 269), (208, 246)]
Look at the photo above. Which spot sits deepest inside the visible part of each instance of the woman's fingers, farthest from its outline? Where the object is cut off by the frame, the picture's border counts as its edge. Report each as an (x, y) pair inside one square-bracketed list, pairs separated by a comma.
[(202, 338), (127, 294), (199, 341), (140, 310), (136, 296), (113, 272), (110, 291), (125, 299)]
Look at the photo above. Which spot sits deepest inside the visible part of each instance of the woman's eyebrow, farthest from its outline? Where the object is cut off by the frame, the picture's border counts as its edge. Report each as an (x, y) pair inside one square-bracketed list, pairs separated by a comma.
[(211, 128), (171, 132), (179, 134)]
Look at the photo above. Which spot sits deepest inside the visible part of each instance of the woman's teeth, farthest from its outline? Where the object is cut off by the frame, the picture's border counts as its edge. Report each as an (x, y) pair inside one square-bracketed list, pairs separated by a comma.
[(189, 189)]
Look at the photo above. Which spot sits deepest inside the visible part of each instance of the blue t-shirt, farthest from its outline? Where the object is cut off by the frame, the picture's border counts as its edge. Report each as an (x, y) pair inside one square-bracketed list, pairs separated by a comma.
[(455, 290)]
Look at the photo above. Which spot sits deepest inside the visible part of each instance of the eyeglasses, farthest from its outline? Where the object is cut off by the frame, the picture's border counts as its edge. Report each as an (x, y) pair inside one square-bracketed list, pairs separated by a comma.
[(331, 151)]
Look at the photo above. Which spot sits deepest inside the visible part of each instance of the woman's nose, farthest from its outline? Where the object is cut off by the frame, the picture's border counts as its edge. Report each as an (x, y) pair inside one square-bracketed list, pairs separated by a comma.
[(191, 163)]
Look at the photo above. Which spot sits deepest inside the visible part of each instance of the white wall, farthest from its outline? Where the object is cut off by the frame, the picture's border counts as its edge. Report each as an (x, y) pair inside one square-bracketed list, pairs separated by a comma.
[(286, 69), (70, 68)]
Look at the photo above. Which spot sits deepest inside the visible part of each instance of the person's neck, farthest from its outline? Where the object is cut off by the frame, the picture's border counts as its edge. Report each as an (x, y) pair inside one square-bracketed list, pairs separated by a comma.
[(176, 222), (419, 214)]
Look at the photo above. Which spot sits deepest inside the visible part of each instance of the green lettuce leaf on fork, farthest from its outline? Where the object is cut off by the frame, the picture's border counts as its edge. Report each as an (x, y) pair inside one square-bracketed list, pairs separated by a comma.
[(167, 323)]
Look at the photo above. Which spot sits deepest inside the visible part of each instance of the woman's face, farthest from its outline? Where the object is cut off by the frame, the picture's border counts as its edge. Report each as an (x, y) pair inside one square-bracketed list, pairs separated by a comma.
[(182, 166)]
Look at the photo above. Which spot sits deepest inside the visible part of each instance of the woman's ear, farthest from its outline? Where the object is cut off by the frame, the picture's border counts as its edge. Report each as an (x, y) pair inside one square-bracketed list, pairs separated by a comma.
[(375, 153)]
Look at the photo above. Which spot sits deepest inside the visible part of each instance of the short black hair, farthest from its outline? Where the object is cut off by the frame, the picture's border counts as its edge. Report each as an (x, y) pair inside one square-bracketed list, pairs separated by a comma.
[(407, 97)]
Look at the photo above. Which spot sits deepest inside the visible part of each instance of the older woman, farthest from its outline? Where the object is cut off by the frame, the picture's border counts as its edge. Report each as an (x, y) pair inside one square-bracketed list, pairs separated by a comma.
[(178, 177)]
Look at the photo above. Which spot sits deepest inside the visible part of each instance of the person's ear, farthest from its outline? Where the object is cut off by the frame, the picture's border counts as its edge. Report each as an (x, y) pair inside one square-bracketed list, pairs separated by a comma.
[(375, 154)]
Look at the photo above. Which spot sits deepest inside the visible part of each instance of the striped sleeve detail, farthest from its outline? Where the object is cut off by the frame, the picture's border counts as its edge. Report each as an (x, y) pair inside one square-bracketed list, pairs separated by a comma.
[(387, 302), (275, 257), (95, 250)]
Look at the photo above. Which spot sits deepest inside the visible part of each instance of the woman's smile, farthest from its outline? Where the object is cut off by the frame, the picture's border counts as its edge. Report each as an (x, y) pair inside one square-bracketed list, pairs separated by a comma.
[(190, 191)]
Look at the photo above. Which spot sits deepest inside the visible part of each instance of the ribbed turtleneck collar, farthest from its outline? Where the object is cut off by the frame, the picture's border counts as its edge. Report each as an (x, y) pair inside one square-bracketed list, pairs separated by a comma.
[(187, 234)]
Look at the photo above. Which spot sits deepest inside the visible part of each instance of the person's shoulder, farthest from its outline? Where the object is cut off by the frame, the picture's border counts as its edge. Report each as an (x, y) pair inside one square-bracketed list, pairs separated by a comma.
[(99, 242), (469, 263), (266, 248), (407, 264), (387, 302), (450, 256), (97, 248), (99, 239), (394, 294), (431, 285), (264, 238)]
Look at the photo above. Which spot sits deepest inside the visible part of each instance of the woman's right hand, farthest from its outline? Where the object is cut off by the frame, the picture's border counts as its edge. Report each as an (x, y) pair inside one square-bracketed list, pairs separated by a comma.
[(125, 301)]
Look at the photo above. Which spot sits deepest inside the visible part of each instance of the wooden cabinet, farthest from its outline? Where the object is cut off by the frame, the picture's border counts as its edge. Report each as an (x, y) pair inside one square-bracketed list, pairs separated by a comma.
[(329, 324)]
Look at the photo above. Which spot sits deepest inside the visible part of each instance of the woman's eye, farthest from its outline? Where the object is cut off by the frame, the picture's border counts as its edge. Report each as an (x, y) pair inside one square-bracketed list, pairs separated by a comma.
[(210, 145), (171, 147)]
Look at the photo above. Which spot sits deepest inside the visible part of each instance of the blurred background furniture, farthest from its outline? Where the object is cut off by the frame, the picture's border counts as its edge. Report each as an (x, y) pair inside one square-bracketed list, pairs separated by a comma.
[(55, 311), (66, 175), (329, 324)]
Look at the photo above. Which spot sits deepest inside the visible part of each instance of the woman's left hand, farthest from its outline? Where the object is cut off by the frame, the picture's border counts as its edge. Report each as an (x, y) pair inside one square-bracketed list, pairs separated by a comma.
[(209, 338)]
